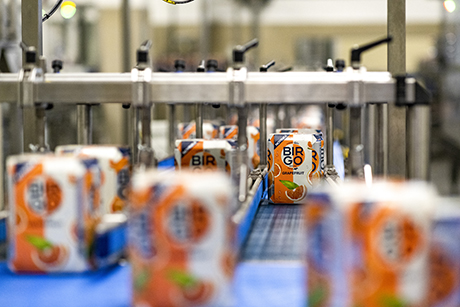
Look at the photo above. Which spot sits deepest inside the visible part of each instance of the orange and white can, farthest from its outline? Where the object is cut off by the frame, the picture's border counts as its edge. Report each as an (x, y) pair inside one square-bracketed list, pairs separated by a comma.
[(230, 132), (293, 169), (188, 131), (317, 145), (204, 155), (54, 212), (180, 239), (384, 232), (444, 260), (116, 172)]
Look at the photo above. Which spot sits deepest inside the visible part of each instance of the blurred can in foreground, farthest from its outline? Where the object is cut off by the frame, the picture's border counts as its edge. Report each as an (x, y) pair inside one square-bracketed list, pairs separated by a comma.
[(383, 232), (180, 239), (445, 256), (116, 172), (54, 210)]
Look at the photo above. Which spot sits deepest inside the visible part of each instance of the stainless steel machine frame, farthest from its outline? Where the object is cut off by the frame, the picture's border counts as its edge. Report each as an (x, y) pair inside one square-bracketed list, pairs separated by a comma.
[(354, 88)]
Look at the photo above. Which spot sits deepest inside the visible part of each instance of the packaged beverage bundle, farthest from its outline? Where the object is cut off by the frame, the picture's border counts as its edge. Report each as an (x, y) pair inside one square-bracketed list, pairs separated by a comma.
[(444, 259), (54, 203), (292, 167), (230, 132), (199, 155), (180, 239), (318, 145), (369, 246), (115, 165), (188, 131)]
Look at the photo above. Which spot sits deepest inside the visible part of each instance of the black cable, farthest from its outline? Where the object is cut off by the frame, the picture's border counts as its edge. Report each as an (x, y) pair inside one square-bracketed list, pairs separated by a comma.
[(53, 10), (174, 2)]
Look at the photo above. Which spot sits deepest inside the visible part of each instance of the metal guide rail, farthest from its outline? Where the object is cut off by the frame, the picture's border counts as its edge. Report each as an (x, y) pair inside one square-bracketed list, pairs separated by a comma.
[(352, 87)]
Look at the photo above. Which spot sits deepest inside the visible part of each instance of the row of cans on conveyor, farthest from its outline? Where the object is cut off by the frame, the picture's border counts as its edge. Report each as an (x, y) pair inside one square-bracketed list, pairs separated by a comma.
[(211, 153), (388, 244), (67, 209)]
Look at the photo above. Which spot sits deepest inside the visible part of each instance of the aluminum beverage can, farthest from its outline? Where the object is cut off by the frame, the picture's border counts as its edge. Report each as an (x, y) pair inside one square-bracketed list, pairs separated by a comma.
[(385, 234), (230, 132), (204, 155), (181, 239), (293, 167), (327, 261), (317, 145), (188, 131), (54, 212), (116, 172)]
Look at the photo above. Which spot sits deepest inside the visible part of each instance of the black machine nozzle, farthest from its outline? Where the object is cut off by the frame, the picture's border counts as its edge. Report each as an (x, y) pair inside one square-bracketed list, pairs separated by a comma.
[(143, 52), (329, 66), (211, 65), (31, 55), (179, 65), (356, 51), (339, 65), (57, 66), (239, 51), (264, 68), (201, 67)]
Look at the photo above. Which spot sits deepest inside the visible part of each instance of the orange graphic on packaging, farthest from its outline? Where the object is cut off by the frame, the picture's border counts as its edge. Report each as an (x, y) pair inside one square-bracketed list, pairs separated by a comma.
[(443, 277), (389, 240)]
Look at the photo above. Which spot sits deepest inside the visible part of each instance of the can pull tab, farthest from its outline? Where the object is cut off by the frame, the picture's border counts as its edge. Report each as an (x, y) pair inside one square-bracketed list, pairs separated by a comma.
[(357, 51), (239, 51)]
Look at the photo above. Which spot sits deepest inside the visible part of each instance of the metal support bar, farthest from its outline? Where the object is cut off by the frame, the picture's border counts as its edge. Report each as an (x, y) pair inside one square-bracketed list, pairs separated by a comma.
[(330, 134), (369, 131), (31, 18), (84, 124), (356, 155), (263, 135), (146, 154), (199, 121), (41, 131), (172, 128), (418, 132), (126, 35), (397, 66), (135, 135), (381, 145)]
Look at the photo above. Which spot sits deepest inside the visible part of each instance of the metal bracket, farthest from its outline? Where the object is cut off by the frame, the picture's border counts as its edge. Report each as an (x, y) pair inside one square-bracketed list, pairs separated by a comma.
[(141, 87), (356, 89), (410, 92), (28, 79), (237, 79)]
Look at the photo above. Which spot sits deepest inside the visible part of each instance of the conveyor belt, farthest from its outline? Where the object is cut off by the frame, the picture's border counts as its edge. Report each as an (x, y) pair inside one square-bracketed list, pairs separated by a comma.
[(276, 234)]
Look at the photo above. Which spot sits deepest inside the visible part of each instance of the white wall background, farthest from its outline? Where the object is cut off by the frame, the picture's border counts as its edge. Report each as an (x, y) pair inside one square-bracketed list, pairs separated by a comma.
[(287, 12)]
